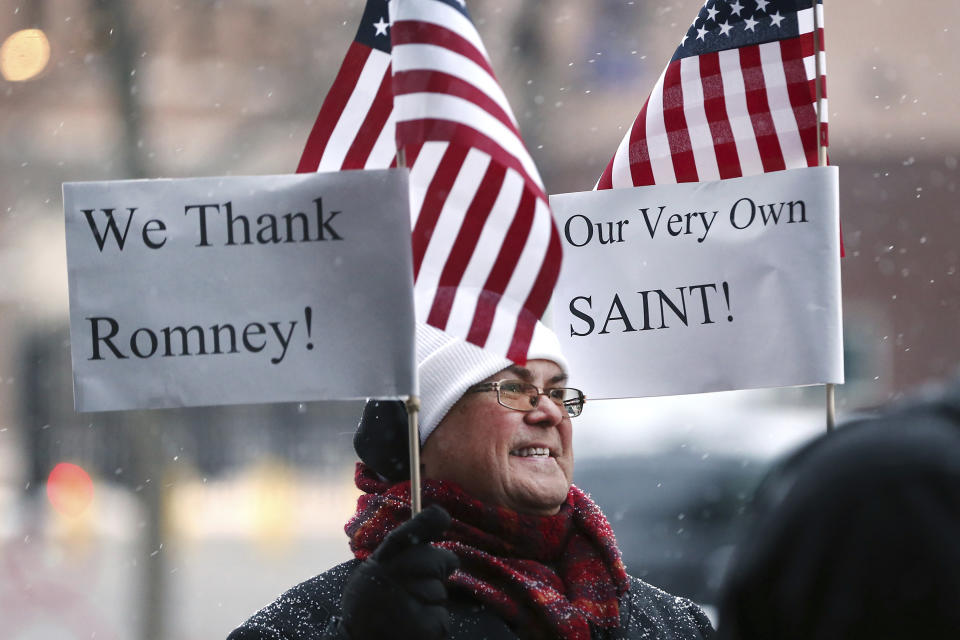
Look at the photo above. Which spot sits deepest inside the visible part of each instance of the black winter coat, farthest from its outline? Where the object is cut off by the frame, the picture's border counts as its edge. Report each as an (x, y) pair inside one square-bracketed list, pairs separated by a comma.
[(311, 611)]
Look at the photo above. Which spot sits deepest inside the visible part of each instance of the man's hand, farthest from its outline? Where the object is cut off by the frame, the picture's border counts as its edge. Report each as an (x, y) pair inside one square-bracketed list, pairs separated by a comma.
[(399, 591)]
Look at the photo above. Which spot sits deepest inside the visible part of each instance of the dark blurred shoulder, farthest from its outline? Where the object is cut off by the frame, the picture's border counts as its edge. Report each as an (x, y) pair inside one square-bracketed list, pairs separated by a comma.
[(649, 612), (308, 611)]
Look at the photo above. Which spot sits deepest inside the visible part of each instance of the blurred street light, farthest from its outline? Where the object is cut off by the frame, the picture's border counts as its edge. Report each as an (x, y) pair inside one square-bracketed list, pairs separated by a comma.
[(69, 489), (24, 55)]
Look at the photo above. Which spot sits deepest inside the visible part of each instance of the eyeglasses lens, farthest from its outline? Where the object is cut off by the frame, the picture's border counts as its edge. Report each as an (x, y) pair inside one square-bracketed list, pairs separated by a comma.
[(571, 400), (523, 396), (518, 395)]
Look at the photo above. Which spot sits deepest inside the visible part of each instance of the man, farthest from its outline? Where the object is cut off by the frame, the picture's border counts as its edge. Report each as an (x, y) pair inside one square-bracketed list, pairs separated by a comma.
[(507, 546), (854, 536)]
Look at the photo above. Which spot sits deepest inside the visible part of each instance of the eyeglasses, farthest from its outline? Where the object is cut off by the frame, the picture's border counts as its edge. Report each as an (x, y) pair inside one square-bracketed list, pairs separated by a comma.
[(523, 396)]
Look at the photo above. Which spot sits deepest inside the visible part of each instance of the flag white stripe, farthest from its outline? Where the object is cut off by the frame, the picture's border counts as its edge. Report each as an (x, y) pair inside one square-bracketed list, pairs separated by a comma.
[(658, 146), (421, 173), (810, 66), (381, 155), (441, 15), (621, 175), (355, 111), (416, 106), (701, 138), (805, 19), (414, 57), (738, 115), (485, 254), (503, 326), (448, 226), (781, 111)]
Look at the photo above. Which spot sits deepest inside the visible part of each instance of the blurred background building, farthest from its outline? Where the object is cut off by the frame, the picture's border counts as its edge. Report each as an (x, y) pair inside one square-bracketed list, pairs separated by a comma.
[(181, 523)]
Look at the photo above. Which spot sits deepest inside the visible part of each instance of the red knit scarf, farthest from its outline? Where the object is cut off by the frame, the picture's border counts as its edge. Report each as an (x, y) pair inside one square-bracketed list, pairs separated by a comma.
[(547, 576)]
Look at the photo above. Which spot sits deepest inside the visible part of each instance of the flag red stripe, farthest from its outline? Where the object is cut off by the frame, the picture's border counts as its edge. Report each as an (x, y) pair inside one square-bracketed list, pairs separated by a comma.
[(764, 129), (457, 134), (522, 335), (436, 196), (606, 178), (483, 316), (333, 106), (806, 43), (823, 86), (715, 107), (411, 152), (377, 116), (503, 266), (675, 121), (466, 243), (426, 81), (412, 32)]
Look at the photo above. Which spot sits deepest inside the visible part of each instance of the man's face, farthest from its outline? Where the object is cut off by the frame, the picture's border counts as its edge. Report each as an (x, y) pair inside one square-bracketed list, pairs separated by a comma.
[(491, 451)]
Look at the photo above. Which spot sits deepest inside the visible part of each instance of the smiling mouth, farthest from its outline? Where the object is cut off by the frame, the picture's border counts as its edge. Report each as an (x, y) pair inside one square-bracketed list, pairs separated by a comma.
[(532, 452)]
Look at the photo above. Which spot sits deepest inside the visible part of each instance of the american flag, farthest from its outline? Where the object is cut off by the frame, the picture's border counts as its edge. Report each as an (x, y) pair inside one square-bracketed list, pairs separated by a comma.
[(354, 129), (486, 252), (738, 98)]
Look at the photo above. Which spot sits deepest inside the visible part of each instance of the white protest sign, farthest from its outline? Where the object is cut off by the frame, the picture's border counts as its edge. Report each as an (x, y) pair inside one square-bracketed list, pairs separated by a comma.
[(212, 291), (710, 286)]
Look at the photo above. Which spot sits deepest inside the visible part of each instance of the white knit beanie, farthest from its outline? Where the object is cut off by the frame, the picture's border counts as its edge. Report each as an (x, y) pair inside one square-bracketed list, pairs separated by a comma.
[(447, 366)]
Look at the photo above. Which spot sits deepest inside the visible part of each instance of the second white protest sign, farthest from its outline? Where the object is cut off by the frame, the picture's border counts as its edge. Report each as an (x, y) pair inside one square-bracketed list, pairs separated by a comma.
[(699, 287)]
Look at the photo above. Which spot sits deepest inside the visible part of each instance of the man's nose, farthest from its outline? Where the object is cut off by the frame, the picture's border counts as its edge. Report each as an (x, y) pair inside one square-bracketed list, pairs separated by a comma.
[(547, 413)]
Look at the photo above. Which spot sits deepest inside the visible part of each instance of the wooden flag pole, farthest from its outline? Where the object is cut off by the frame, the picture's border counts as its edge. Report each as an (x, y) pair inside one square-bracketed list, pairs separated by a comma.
[(822, 161), (413, 411)]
